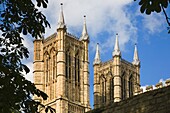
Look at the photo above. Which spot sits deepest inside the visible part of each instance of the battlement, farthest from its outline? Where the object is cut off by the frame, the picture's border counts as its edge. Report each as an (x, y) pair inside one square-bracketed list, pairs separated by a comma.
[(153, 87), (153, 101)]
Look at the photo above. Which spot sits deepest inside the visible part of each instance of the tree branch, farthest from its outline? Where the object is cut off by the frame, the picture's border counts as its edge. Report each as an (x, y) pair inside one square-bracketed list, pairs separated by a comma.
[(167, 18)]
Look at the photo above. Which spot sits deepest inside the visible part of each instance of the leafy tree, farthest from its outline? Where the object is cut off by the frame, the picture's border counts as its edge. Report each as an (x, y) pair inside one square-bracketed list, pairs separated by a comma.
[(149, 6), (19, 17)]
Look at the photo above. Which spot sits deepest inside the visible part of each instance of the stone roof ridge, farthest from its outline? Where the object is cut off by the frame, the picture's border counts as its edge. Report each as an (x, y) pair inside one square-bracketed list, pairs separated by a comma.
[(71, 35), (107, 62), (125, 61), (50, 37)]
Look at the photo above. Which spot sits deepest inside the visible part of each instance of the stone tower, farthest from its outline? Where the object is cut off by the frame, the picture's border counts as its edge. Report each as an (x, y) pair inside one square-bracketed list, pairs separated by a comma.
[(116, 79), (61, 69)]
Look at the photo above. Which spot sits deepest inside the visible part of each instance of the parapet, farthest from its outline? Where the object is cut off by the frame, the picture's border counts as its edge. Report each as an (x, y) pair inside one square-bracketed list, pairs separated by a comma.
[(149, 88), (153, 87), (167, 82)]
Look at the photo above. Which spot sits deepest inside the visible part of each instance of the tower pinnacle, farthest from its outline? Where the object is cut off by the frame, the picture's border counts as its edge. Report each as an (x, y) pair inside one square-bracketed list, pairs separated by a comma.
[(85, 35), (61, 23), (116, 51), (135, 57), (97, 56)]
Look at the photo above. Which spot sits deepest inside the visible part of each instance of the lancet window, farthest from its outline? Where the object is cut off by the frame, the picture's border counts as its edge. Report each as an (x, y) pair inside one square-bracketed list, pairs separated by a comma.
[(131, 86), (103, 89), (68, 75), (54, 67), (47, 69), (77, 77), (111, 88), (123, 89), (68, 66)]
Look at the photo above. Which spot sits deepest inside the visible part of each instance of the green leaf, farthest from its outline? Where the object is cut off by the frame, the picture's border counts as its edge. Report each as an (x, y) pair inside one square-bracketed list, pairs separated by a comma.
[(44, 4), (148, 11), (158, 9), (142, 9), (164, 3), (25, 31), (27, 70)]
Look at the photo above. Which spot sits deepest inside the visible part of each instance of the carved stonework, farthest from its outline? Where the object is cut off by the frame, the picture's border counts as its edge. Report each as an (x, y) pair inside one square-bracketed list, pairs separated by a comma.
[(114, 80), (61, 72)]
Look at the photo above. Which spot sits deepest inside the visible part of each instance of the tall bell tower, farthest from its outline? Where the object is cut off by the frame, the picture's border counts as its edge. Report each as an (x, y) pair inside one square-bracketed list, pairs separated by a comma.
[(61, 69)]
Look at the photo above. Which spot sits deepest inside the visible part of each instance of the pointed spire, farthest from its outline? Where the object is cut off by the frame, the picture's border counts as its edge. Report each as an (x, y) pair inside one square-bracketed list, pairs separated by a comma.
[(135, 57), (85, 35), (61, 23), (116, 51), (97, 56)]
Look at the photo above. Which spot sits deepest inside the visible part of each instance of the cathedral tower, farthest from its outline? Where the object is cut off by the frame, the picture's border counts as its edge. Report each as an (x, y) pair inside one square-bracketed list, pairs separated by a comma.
[(61, 69), (116, 79)]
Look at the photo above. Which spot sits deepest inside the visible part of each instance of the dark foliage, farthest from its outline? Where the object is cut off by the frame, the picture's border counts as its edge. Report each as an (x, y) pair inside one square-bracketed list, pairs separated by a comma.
[(149, 6), (19, 17)]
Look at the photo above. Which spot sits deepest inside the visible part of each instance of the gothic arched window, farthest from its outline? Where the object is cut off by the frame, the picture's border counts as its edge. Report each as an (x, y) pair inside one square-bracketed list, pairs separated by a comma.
[(68, 75), (47, 69), (77, 68), (130, 86), (54, 64), (123, 82), (103, 89), (77, 77), (111, 88), (68, 65)]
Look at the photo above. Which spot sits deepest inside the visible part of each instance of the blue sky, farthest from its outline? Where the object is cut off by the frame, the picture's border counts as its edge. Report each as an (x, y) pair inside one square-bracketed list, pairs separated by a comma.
[(105, 18)]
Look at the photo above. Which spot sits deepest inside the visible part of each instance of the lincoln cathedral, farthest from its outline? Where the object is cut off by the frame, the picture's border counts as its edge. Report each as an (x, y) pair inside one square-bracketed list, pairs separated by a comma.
[(61, 70)]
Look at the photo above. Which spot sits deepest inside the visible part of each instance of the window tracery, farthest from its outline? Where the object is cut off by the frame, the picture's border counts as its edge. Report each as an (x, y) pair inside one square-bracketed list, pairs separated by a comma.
[(123, 88), (131, 86)]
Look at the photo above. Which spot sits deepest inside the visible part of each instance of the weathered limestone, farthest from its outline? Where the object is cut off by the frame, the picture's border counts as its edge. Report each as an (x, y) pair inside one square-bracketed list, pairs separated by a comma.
[(155, 101), (167, 82), (61, 69), (38, 66), (149, 88), (159, 85), (116, 79)]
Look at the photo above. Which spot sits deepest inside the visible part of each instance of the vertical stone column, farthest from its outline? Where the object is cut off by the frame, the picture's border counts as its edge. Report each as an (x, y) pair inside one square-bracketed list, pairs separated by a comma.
[(73, 78), (81, 78), (117, 78), (61, 92), (137, 84), (96, 86), (86, 76), (38, 66), (61, 63), (127, 83)]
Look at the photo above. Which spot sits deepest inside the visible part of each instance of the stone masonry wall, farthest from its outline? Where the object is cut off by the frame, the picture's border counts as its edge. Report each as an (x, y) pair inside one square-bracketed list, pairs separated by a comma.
[(156, 101)]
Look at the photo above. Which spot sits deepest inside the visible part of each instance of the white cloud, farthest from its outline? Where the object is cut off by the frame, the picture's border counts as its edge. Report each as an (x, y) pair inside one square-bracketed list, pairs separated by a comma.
[(28, 42), (154, 23), (104, 15), (108, 16), (29, 76)]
